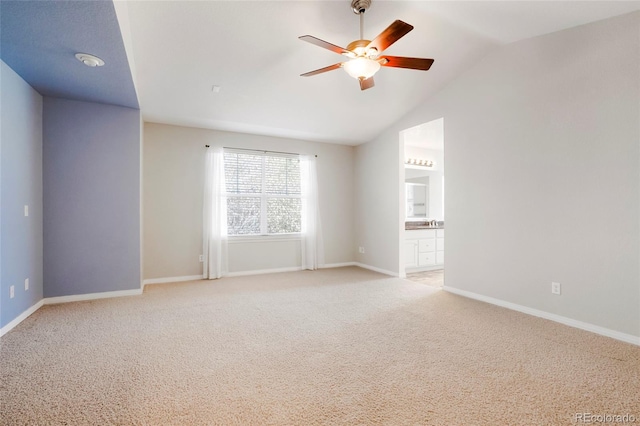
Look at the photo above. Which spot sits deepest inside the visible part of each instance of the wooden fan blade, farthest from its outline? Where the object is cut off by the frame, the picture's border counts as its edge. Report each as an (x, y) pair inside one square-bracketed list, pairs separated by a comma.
[(366, 83), (321, 70), (324, 44), (389, 36), (402, 62)]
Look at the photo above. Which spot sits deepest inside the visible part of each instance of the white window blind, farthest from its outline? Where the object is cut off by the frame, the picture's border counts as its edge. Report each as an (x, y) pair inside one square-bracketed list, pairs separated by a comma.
[(263, 193)]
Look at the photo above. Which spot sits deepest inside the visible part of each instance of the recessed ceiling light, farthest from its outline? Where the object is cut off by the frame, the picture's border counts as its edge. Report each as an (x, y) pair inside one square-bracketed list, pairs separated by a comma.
[(89, 60)]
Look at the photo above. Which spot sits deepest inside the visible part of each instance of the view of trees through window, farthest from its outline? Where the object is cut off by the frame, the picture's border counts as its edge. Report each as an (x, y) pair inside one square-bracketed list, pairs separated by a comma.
[(263, 193)]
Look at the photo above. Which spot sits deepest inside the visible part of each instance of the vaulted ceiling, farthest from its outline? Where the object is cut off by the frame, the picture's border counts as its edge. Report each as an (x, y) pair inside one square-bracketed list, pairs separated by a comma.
[(174, 52)]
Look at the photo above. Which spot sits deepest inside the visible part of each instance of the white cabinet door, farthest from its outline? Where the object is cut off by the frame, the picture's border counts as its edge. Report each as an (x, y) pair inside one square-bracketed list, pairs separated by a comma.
[(440, 257), (410, 253), (439, 244)]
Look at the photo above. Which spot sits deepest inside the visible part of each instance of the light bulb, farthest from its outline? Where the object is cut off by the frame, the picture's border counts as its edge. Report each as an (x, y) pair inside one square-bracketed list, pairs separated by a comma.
[(361, 68)]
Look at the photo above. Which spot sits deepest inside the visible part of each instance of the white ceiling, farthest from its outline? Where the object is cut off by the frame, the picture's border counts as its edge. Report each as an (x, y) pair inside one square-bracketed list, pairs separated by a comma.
[(180, 49)]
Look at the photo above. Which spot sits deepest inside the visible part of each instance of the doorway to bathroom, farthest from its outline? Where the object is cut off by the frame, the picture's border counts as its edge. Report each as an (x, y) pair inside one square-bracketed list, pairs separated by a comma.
[(422, 203)]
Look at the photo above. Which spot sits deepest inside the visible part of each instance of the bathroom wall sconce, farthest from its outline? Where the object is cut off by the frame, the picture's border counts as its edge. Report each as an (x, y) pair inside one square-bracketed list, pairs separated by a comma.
[(419, 162)]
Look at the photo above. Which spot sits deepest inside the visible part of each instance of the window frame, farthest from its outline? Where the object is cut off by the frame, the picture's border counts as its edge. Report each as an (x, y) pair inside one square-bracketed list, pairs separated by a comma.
[(264, 198)]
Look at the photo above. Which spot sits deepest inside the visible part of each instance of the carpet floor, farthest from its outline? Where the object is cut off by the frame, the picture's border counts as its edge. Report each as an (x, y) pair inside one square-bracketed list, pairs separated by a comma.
[(337, 346), (432, 278)]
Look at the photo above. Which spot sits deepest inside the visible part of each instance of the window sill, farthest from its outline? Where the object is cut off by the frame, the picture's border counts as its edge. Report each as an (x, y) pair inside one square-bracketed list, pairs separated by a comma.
[(264, 238)]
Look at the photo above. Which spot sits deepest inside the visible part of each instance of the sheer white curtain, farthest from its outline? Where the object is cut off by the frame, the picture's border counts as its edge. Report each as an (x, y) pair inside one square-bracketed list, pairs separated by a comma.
[(312, 246), (214, 216)]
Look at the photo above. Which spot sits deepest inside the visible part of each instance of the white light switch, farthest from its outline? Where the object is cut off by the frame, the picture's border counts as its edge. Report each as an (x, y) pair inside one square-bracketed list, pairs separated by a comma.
[(26, 210), (26, 284), (12, 292)]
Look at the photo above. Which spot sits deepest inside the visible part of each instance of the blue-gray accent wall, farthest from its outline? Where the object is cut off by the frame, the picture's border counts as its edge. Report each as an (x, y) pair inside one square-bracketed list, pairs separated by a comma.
[(91, 197), (20, 185)]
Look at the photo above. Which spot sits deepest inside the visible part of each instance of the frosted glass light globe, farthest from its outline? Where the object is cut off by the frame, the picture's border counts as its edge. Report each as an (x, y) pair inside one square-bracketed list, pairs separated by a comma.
[(361, 67)]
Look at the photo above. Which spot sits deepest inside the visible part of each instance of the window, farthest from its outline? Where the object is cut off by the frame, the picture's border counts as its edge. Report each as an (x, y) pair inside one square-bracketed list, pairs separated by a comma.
[(263, 193)]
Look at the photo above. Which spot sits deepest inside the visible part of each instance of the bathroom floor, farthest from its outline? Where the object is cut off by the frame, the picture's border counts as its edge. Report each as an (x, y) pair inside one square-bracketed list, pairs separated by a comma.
[(432, 278)]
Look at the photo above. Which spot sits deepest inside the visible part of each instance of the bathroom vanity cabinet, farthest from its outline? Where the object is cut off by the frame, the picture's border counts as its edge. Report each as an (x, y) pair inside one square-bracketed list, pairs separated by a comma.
[(424, 249)]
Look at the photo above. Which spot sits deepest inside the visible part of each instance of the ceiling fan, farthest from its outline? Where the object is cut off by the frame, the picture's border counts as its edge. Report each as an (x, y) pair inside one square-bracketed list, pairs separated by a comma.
[(364, 55)]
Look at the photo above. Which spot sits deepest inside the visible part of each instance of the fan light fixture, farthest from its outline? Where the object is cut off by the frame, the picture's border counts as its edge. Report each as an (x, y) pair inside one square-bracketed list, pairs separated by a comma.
[(364, 55), (89, 60), (361, 68)]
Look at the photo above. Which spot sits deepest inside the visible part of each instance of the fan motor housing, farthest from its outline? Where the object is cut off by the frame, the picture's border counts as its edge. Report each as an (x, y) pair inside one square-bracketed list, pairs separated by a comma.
[(359, 6), (357, 43)]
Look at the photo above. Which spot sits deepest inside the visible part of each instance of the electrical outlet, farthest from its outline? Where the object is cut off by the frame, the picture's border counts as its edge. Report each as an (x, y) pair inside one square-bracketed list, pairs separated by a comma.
[(12, 292), (555, 288), (201, 258), (361, 249), (26, 284)]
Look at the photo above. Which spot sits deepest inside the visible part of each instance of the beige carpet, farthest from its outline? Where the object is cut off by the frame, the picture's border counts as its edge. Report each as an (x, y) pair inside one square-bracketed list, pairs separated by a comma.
[(343, 346), (433, 278)]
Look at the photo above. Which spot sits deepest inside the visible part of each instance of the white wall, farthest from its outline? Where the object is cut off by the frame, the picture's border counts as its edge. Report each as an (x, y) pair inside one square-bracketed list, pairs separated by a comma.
[(172, 197), (542, 145), (379, 179)]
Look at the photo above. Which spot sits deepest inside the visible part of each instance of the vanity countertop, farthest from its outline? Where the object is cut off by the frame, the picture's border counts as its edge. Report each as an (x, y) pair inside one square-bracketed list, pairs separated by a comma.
[(420, 227)]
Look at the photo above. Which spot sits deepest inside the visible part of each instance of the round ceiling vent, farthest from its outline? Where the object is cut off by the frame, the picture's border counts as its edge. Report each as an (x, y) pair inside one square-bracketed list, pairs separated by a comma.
[(89, 60)]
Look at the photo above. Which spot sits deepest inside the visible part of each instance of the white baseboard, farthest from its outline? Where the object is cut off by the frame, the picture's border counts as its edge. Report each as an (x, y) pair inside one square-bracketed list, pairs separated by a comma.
[(90, 296), (254, 272), (23, 316), (242, 273), (628, 338), (172, 279), (337, 265), (264, 271), (375, 269)]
